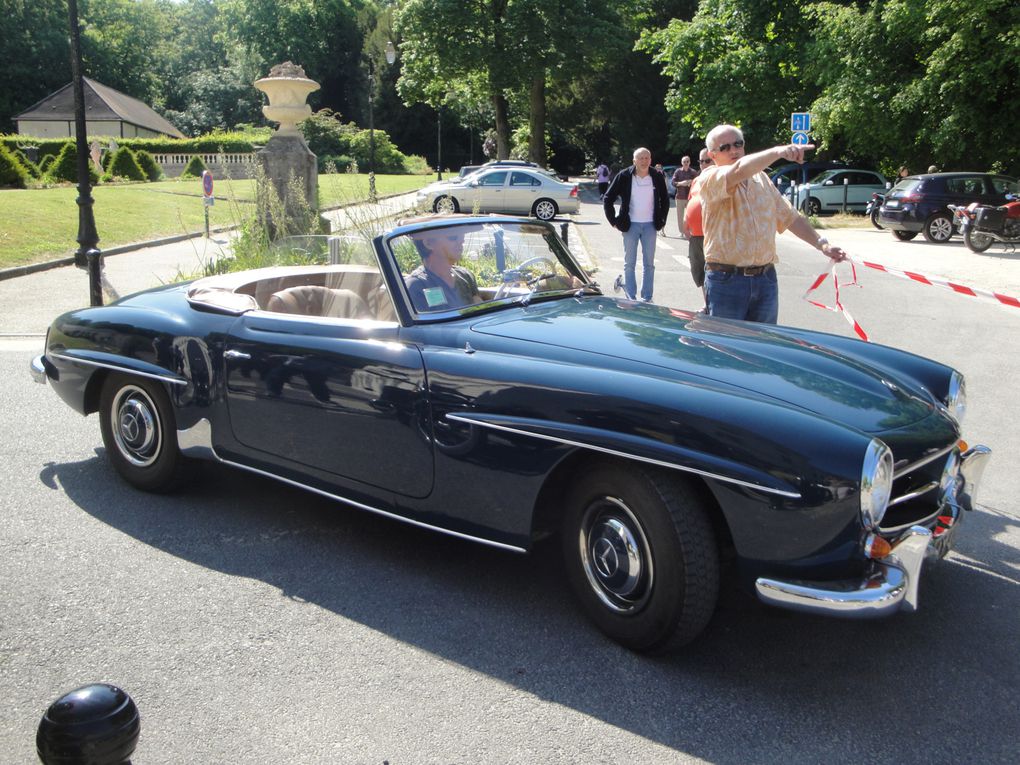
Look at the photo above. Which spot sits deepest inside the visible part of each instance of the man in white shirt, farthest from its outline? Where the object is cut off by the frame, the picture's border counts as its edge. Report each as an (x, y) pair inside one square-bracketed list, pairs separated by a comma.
[(644, 205)]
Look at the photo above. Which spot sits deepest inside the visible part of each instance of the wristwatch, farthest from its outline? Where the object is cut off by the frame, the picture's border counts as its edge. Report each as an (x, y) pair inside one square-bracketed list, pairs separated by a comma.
[(822, 241)]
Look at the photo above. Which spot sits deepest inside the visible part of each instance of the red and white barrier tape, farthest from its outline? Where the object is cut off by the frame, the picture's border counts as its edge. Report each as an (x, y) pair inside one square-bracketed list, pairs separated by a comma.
[(932, 281)]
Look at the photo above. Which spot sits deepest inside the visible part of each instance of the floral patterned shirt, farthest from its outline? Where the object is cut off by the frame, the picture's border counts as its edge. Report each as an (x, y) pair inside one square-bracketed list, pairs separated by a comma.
[(741, 225)]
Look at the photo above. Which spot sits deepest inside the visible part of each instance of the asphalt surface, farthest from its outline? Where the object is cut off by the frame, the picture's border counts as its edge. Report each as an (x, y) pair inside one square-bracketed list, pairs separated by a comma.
[(256, 623)]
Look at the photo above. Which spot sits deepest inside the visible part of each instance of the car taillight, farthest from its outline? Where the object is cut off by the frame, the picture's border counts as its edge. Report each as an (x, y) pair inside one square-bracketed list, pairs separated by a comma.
[(573, 191), (910, 198)]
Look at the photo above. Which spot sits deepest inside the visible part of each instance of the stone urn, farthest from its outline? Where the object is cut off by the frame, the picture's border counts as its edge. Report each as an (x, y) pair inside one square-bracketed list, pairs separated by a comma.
[(287, 88)]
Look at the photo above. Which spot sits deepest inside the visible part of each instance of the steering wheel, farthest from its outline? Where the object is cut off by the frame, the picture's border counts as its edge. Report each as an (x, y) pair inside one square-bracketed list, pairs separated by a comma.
[(540, 260)]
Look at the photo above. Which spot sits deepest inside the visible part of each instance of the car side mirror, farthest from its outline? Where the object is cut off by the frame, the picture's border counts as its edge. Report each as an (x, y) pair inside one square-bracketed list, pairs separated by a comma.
[(829, 183), (472, 183)]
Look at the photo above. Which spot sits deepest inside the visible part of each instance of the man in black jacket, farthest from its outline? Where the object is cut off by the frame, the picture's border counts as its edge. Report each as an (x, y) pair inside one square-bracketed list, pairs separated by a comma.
[(644, 205)]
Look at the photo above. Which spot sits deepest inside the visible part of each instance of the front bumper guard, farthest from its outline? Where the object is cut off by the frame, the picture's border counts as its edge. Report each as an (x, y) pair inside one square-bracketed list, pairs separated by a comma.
[(37, 368), (892, 585)]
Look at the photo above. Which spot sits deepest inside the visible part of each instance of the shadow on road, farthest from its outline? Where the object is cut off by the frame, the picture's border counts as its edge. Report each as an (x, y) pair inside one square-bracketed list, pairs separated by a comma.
[(760, 685)]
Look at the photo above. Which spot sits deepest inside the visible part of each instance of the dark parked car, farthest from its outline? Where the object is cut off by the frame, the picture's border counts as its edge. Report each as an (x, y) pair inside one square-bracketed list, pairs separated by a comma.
[(660, 444), (918, 203)]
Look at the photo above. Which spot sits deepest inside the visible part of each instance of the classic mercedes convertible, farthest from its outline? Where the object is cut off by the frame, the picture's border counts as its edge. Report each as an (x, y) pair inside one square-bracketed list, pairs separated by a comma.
[(467, 375)]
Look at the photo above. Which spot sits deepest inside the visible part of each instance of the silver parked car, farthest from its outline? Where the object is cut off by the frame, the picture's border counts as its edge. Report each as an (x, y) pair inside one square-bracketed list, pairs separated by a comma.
[(519, 190), (824, 193)]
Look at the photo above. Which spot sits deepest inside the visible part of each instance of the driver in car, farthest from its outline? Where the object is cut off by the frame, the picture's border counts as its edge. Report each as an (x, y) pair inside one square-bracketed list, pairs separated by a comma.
[(439, 283)]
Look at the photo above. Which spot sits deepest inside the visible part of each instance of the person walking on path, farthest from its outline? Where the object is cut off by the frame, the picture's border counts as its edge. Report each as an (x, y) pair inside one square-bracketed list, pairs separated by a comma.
[(691, 228), (741, 213), (602, 178), (644, 207), (683, 177)]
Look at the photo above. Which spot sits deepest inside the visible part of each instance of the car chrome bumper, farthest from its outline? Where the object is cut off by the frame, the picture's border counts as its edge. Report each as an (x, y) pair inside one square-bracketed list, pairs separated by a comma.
[(892, 585), (38, 370)]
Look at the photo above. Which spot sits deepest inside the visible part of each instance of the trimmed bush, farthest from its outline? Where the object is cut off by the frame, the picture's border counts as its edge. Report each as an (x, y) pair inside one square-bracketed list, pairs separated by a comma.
[(150, 167), (29, 165), (12, 174), (65, 167), (194, 168), (124, 165), (44, 164)]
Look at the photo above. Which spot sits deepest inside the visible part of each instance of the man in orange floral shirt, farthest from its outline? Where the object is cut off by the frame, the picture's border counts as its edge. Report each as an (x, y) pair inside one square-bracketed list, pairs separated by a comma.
[(741, 213)]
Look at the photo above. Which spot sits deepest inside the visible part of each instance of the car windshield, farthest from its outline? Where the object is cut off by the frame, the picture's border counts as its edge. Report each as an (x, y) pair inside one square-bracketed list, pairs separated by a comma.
[(448, 267), (905, 186), (823, 176)]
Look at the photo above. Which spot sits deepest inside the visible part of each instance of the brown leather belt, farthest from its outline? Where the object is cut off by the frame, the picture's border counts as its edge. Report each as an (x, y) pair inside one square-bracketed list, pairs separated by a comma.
[(742, 270)]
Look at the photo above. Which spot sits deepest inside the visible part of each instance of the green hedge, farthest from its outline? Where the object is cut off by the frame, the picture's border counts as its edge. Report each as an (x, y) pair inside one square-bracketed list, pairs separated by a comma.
[(213, 143), (150, 167), (12, 174), (124, 165), (65, 166)]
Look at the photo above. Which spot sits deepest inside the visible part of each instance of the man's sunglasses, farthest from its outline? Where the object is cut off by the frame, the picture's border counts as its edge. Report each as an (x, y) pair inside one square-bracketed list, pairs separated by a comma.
[(705, 161), (735, 145)]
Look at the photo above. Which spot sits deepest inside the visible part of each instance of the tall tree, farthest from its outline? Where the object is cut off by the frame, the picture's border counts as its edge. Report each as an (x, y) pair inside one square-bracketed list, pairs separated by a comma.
[(34, 54)]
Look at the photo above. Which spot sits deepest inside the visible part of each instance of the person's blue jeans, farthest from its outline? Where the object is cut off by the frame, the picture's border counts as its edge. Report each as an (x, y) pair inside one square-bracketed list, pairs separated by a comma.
[(751, 298), (644, 233)]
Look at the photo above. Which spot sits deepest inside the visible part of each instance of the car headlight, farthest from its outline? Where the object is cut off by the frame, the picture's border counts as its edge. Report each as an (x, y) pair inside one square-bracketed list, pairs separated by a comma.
[(876, 483), (956, 398)]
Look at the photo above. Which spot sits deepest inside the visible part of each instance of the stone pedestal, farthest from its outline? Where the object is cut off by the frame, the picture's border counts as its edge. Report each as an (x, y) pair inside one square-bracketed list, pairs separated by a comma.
[(286, 157)]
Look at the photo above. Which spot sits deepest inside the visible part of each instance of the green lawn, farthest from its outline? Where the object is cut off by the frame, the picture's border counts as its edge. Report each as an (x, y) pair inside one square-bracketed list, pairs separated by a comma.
[(41, 224)]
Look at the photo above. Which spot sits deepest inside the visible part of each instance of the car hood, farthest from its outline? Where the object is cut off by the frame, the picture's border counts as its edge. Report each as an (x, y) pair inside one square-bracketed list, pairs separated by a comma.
[(750, 359)]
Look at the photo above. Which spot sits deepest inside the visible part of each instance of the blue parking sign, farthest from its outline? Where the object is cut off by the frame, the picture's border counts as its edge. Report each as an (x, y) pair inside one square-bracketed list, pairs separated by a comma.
[(800, 122)]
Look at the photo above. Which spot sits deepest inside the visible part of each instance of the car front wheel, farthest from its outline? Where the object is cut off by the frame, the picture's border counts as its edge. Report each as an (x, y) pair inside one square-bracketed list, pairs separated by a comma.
[(544, 209), (446, 204), (904, 236), (938, 228), (977, 242), (641, 556), (140, 434), (814, 207)]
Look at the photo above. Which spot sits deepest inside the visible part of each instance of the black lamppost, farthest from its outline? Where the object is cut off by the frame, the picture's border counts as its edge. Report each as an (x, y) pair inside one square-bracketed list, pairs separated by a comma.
[(88, 255), (391, 56), (439, 143)]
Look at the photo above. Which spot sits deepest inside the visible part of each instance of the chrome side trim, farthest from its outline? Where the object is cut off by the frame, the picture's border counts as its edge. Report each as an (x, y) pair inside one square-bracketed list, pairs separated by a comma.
[(116, 368), (37, 370), (371, 509), (625, 455), (196, 441)]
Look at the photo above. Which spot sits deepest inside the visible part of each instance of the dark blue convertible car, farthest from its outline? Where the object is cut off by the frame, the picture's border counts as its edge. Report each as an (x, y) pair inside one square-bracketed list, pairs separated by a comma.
[(465, 374)]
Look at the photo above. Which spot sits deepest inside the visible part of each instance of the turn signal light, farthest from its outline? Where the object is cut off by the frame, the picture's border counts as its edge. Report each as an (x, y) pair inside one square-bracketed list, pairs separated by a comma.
[(962, 446), (876, 547)]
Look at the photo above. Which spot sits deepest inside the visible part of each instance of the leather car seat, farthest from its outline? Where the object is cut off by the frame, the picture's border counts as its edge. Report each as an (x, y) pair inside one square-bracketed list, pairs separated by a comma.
[(311, 300)]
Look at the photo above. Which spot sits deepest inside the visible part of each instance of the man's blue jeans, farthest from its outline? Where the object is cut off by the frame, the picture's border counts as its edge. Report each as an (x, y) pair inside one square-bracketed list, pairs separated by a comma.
[(752, 298), (645, 233)]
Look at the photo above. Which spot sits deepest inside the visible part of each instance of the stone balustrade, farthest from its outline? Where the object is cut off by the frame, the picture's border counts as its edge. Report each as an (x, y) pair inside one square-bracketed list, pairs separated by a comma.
[(220, 165)]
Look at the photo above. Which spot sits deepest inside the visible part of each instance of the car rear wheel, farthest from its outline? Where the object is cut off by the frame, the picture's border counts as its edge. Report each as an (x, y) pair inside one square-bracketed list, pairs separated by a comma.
[(977, 242), (904, 236), (641, 556), (938, 228), (140, 434), (544, 209), (446, 204)]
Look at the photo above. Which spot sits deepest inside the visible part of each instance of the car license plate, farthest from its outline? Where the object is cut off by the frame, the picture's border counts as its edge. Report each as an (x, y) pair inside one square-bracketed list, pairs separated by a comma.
[(893, 204)]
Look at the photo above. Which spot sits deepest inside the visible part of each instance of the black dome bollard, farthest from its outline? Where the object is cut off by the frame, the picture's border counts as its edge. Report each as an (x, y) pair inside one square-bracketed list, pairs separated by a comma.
[(96, 724)]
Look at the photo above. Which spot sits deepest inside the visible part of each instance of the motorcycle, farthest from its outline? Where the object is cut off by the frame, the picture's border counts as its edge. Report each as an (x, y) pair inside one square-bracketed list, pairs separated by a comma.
[(874, 205), (982, 225)]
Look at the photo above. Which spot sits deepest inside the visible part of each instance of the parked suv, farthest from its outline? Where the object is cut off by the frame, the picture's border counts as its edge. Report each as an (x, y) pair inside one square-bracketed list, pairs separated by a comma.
[(917, 204)]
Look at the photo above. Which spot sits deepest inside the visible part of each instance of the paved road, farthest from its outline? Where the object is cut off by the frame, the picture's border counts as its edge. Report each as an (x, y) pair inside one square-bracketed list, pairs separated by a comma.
[(255, 623)]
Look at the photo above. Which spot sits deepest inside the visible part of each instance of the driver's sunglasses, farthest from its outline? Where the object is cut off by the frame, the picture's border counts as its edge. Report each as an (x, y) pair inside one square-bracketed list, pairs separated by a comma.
[(735, 145)]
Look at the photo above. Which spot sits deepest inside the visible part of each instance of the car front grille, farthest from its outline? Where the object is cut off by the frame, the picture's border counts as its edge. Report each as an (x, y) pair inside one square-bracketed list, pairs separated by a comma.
[(915, 499)]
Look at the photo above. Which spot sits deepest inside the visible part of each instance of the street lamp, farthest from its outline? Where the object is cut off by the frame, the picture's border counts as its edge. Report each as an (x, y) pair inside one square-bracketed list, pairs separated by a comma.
[(88, 255), (439, 142), (391, 56)]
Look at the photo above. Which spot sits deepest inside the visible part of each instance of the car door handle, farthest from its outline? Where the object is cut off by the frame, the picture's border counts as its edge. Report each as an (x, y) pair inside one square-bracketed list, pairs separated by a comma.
[(237, 355)]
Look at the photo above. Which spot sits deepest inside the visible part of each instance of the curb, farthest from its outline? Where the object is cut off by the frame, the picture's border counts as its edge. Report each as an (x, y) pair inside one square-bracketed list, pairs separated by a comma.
[(33, 268)]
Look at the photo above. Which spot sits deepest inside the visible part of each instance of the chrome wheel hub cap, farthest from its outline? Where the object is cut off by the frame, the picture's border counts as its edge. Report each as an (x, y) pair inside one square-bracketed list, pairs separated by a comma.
[(941, 229), (615, 555), (135, 427)]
